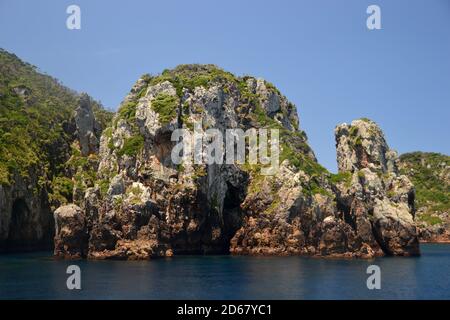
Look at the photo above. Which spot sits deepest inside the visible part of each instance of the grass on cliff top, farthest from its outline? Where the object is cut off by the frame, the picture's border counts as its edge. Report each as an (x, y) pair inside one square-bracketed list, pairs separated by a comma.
[(190, 76), (427, 172), (127, 111)]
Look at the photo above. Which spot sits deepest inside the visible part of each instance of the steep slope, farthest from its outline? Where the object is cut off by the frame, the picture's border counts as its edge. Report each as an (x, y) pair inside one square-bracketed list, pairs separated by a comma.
[(37, 128), (430, 173), (144, 205)]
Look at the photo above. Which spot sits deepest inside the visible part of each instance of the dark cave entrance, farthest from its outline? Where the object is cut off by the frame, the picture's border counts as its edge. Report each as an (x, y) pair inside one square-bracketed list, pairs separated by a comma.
[(345, 211), (232, 213), (411, 203), (19, 226)]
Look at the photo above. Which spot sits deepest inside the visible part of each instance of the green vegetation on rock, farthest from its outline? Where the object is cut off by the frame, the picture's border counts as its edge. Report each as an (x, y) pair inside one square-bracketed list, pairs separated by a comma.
[(35, 112), (62, 190), (33, 108), (37, 132), (430, 219), (190, 76), (166, 107), (132, 146), (127, 111), (429, 173), (342, 177)]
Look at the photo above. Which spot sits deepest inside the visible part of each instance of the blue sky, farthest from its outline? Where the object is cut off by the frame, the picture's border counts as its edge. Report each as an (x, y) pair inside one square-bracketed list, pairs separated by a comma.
[(318, 53)]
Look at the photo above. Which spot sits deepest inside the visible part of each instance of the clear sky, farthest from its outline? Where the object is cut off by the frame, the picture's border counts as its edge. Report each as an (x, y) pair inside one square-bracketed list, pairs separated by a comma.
[(320, 54)]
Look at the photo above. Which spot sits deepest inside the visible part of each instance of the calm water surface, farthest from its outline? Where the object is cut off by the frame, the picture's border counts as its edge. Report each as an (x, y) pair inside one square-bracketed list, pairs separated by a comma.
[(39, 276)]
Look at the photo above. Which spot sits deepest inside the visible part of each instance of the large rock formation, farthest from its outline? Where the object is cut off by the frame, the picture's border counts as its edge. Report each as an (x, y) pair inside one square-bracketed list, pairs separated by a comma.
[(368, 212), (143, 205), (378, 203)]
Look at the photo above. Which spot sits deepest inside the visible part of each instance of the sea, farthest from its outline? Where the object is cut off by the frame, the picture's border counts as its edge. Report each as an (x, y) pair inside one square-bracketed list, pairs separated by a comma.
[(38, 275)]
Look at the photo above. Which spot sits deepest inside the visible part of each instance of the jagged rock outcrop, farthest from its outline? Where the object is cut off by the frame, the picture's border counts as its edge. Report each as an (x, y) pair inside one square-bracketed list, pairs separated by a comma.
[(372, 213), (87, 128), (71, 236), (376, 201), (143, 205), (362, 145)]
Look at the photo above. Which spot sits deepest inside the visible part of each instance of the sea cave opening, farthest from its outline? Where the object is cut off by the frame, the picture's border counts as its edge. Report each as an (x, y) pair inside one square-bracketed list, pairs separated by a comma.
[(19, 224), (232, 212), (346, 213)]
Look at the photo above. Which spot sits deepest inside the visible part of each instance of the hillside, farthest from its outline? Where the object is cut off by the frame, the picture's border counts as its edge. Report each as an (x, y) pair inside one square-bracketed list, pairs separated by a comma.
[(37, 130), (430, 173)]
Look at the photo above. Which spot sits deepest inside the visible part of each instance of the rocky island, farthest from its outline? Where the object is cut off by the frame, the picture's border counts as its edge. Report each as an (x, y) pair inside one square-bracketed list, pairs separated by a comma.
[(149, 207), (104, 186)]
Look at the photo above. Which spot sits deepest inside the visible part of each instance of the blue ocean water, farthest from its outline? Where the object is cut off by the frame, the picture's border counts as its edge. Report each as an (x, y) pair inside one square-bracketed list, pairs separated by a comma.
[(39, 276)]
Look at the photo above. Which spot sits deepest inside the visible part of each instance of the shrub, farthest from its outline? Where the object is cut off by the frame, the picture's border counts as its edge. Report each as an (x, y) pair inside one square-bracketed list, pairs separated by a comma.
[(341, 177), (427, 171), (62, 190), (132, 146), (128, 111), (166, 106)]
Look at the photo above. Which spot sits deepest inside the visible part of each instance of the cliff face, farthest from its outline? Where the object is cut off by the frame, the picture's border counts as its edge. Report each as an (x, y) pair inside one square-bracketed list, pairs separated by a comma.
[(377, 201), (138, 204), (37, 128), (430, 173), (25, 218)]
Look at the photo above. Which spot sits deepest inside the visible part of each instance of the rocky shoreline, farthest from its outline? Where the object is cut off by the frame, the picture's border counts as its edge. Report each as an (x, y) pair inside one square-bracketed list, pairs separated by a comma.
[(440, 236)]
